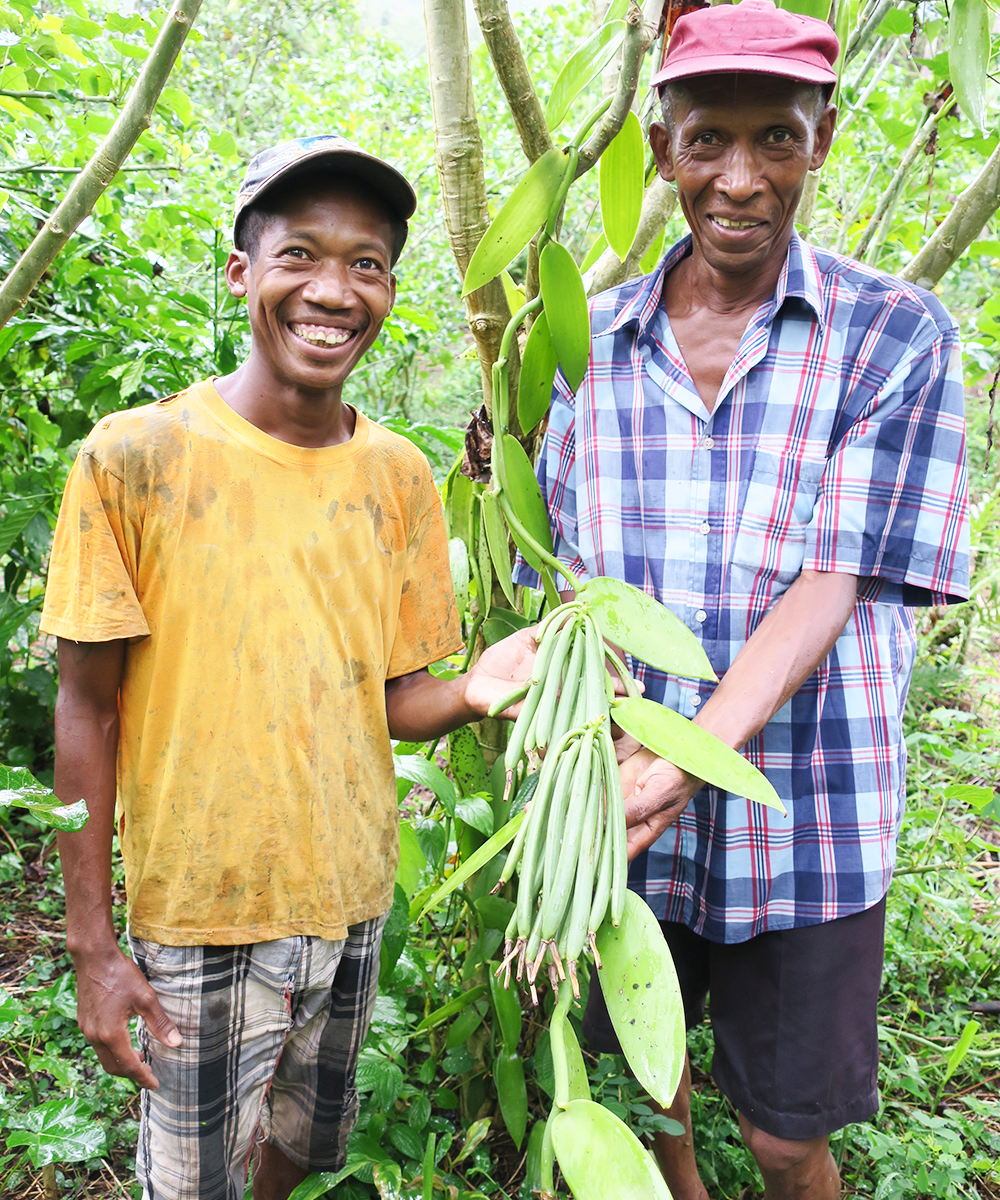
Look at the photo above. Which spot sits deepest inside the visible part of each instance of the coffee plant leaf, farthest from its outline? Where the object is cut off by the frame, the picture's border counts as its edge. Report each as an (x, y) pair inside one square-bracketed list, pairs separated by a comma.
[(969, 57), (622, 179), (585, 63), (538, 372), (693, 749), (645, 628), (643, 996), (600, 1157), (566, 307), (518, 221)]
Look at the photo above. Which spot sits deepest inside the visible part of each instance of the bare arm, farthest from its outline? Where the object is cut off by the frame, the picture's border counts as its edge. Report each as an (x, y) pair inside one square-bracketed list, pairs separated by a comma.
[(784, 650), (420, 706), (110, 987)]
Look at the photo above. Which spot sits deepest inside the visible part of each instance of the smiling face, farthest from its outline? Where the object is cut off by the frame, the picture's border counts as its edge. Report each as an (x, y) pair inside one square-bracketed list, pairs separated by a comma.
[(739, 147), (319, 286)]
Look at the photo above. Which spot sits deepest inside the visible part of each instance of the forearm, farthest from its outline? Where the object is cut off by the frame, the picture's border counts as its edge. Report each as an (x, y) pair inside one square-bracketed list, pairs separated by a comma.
[(421, 706), (781, 654)]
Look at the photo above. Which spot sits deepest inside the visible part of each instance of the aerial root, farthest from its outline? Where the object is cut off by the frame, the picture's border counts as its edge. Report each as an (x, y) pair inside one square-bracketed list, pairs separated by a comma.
[(557, 961), (536, 965), (522, 945), (593, 949), (573, 980)]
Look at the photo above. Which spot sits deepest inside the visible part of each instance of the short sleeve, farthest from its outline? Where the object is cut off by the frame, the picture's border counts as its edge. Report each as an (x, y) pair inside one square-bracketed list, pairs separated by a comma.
[(556, 471), (91, 596), (427, 628), (893, 505)]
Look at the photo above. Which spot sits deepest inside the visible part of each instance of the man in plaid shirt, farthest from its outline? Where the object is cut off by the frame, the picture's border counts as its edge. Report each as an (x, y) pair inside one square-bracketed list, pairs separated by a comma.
[(769, 440)]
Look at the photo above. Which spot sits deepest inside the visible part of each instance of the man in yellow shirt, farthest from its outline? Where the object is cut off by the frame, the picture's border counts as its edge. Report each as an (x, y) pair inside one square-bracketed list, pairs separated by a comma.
[(248, 582)]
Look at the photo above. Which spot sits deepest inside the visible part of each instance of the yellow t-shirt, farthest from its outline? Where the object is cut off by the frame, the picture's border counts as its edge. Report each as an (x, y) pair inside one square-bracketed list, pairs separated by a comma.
[(268, 592)]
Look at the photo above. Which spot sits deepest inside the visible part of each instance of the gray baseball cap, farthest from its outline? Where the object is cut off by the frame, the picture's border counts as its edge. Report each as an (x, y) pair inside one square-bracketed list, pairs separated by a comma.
[(344, 157)]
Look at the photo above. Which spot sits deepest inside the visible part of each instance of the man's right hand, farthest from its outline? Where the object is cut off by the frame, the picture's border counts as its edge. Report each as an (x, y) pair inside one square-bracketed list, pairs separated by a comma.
[(110, 991), (656, 793)]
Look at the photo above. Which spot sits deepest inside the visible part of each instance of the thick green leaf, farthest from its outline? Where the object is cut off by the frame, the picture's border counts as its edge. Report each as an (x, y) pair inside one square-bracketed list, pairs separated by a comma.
[(961, 1049), (323, 1182), (652, 256), (576, 1068), (622, 180), (476, 1134), (501, 623), (19, 788), (451, 1009), (566, 308), (463, 1027), (411, 859), (524, 494), (482, 856), (518, 221), (514, 294), (508, 1075), (533, 1159), (459, 498), (597, 248), (496, 539), (691, 748), (601, 1158), (969, 56), (59, 1130), (477, 812), (495, 911), (644, 998), (394, 936), (465, 757), (587, 62), (417, 769), (458, 557), (642, 626), (538, 371), (485, 567), (507, 1007)]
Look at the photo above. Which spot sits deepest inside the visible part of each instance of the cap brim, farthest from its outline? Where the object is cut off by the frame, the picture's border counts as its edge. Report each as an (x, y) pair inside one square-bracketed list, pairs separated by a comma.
[(750, 64)]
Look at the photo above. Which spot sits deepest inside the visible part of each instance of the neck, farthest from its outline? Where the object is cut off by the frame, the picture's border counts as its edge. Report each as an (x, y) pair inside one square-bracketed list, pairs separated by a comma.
[(720, 291), (284, 410)]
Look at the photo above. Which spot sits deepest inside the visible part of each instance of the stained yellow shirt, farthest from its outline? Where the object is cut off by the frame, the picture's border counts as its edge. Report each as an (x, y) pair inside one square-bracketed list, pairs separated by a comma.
[(267, 592)]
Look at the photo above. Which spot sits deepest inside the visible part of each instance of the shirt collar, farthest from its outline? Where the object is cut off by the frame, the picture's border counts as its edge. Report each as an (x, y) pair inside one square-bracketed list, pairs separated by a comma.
[(799, 279)]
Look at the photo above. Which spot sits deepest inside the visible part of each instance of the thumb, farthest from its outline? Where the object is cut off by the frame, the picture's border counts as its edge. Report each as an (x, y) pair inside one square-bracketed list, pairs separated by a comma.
[(158, 1023)]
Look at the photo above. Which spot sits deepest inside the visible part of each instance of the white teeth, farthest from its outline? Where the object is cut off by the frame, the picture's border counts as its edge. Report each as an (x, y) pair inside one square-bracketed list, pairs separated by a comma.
[(727, 224), (319, 335)]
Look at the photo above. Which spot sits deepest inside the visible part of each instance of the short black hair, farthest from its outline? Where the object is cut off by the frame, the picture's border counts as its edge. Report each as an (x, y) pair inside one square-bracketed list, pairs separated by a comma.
[(256, 217), (680, 89)]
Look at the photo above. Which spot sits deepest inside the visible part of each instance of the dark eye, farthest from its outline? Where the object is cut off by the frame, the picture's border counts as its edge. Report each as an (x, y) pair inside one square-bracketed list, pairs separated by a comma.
[(705, 139), (369, 264), (779, 136), (295, 251)]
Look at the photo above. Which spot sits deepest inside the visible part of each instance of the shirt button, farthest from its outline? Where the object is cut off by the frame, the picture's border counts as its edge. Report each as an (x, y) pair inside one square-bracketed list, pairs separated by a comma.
[(700, 616), (708, 443), (695, 700), (704, 527)]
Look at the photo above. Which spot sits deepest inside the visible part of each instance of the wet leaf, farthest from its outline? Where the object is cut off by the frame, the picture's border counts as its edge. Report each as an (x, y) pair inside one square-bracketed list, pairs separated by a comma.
[(508, 1075), (691, 748), (601, 1158), (477, 812), (518, 221), (59, 1130), (969, 56), (566, 308), (496, 539), (324, 1182), (587, 62), (622, 180), (645, 628), (538, 372), (643, 997)]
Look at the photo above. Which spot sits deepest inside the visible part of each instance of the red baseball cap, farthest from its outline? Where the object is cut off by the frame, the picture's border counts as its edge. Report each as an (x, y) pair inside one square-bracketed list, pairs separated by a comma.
[(752, 36)]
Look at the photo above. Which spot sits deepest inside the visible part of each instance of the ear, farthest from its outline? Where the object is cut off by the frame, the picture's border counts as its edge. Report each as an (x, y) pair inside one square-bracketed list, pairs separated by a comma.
[(237, 270), (392, 291), (659, 143), (824, 137)]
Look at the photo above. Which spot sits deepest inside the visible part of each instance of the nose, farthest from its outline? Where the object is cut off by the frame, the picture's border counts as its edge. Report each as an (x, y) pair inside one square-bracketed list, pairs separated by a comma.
[(330, 287), (740, 180)]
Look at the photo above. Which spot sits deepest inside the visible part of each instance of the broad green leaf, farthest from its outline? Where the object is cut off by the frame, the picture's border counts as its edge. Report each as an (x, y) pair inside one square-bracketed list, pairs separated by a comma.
[(476, 1134), (417, 769), (969, 56), (459, 498), (394, 936), (506, 1006), (518, 221), (587, 62), (387, 1176), (11, 1013), (477, 812), (600, 1157), (970, 793), (515, 295), (482, 856), (524, 495), (322, 1182), (496, 539), (508, 1075), (820, 9), (59, 1130), (616, 10), (645, 628), (411, 859), (644, 998), (652, 256), (622, 180), (579, 1084), (465, 758), (464, 1025), (566, 308), (597, 248), (538, 372), (379, 1075), (458, 558), (691, 748), (17, 517), (19, 788), (961, 1049)]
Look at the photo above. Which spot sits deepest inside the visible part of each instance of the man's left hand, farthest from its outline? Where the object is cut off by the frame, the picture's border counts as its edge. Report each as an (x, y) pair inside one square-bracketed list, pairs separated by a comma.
[(656, 793), (499, 670)]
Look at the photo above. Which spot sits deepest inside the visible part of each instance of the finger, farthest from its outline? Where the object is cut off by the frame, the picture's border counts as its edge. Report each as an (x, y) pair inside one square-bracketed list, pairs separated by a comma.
[(119, 1057), (158, 1023)]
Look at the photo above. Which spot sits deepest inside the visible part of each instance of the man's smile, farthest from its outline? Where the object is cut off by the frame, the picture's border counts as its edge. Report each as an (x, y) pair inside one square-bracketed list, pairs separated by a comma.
[(731, 223), (321, 335)]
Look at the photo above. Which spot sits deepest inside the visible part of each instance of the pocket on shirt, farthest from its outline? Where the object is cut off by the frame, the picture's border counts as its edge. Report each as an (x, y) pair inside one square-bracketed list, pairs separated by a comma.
[(777, 508)]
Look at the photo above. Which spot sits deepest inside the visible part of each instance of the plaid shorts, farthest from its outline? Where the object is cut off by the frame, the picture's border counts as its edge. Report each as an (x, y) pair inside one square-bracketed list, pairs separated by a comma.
[(271, 1036)]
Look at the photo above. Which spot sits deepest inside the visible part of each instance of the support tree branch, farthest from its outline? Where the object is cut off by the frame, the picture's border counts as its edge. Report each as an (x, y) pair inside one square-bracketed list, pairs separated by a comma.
[(959, 229), (458, 148), (102, 168), (515, 78)]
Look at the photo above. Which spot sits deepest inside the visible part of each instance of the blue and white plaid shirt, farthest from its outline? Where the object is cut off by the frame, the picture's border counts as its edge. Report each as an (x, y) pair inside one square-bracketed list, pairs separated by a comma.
[(837, 444)]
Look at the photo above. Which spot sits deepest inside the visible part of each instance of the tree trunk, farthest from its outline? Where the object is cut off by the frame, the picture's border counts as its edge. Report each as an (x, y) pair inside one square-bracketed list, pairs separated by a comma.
[(102, 168), (458, 149)]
